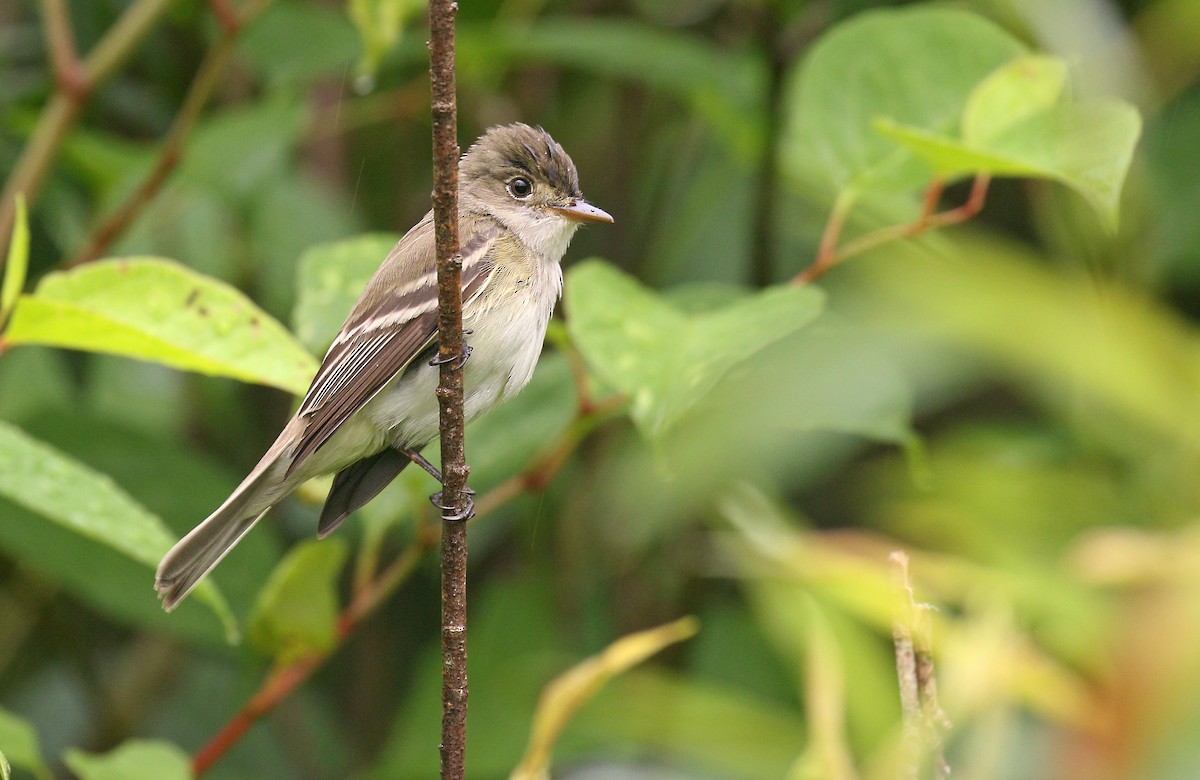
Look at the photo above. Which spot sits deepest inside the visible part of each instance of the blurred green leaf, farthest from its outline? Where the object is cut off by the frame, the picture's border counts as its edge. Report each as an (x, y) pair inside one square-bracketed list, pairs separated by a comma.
[(156, 310), (916, 66), (786, 417), (71, 495), (136, 759), (379, 24), (1065, 337), (725, 87), (297, 611), (1011, 94), (296, 43), (175, 482), (19, 745), (17, 263), (565, 694), (237, 151), (330, 279), (1015, 125), (291, 214), (662, 357), (706, 730)]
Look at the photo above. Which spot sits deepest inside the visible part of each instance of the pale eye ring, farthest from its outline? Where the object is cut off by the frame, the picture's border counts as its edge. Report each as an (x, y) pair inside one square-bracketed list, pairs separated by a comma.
[(520, 188)]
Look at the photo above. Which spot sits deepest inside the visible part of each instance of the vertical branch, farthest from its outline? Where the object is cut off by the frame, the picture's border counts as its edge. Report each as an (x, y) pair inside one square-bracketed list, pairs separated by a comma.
[(925, 723), (451, 353)]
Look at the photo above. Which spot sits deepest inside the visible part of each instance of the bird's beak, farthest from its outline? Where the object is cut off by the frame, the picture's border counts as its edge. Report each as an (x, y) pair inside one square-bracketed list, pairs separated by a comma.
[(580, 210)]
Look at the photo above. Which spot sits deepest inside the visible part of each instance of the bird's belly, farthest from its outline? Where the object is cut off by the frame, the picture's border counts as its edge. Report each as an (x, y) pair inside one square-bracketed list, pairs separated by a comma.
[(504, 352)]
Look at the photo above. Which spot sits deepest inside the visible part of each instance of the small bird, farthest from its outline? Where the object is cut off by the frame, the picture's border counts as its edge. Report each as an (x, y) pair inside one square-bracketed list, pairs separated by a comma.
[(372, 405)]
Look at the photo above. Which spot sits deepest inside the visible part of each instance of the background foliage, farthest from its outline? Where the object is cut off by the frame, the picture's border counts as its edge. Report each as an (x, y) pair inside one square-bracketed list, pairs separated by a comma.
[(1013, 401)]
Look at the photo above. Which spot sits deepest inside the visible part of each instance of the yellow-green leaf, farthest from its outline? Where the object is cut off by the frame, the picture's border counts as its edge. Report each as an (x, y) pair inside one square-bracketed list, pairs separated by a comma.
[(157, 310)]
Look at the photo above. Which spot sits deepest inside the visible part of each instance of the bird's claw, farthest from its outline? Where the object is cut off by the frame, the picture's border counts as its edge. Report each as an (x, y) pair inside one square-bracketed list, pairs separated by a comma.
[(458, 360), (454, 513)]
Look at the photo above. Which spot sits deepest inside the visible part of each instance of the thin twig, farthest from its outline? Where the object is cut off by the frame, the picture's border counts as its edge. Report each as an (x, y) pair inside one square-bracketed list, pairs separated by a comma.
[(924, 722), (64, 107), (451, 354), (829, 255), (60, 40)]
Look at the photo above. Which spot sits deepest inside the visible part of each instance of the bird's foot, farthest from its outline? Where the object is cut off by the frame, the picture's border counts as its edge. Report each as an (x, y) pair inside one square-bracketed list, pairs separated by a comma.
[(457, 360), (453, 512)]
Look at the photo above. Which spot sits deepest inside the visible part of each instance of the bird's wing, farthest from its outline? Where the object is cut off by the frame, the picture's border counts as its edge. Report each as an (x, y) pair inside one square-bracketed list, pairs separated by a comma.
[(394, 321)]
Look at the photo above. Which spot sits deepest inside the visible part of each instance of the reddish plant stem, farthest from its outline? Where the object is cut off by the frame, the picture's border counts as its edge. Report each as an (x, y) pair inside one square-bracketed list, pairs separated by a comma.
[(451, 353), (60, 40), (828, 255)]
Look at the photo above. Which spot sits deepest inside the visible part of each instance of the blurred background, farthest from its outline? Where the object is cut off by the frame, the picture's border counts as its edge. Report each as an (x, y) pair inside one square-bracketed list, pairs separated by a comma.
[(1012, 401)]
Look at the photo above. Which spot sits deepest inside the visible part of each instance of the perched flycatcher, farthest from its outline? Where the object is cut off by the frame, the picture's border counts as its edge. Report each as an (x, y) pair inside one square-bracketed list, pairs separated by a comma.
[(372, 405)]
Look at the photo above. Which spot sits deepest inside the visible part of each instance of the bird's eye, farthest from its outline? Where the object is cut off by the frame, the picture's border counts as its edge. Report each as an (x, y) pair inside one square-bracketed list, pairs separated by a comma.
[(520, 188)]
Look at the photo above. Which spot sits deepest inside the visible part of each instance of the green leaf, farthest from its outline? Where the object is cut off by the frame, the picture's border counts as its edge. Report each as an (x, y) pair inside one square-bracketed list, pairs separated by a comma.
[(330, 279), (1015, 125), (716, 730), (297, 610), (73, 496), (379, 24), (663, 357), (157, 310), (137, 759), (20, 746), (17, 262), (1012, 93), (916, 66)]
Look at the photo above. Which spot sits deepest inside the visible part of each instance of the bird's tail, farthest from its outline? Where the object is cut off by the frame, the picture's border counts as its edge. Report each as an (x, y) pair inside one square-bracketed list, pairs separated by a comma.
[(196, 554)]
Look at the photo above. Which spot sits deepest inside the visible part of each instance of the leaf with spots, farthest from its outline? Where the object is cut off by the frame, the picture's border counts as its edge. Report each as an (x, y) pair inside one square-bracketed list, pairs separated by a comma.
[(157, 310), (666, 356)]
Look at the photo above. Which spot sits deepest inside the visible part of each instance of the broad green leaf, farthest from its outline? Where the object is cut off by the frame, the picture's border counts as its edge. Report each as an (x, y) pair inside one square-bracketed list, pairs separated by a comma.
[(330, 279), (786, 416), (73, 496), (174, 482), (19, 746), (916, 66), (1012, 93), (1015, 124), (664, 358), (297, 610), (157, 310), (136, 759), (17, 262)]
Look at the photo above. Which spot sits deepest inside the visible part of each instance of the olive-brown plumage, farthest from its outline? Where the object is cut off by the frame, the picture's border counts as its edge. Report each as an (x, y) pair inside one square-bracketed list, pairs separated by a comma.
[(372, 402)]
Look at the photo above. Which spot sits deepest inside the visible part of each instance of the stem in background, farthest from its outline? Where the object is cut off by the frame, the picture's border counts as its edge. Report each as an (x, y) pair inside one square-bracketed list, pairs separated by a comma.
[(451, 354), (202, 87), (924, 721), (64, 106), (829, 255)]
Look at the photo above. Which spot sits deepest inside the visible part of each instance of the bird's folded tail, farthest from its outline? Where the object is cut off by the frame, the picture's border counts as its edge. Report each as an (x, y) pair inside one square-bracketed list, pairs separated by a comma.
[(196, 554)]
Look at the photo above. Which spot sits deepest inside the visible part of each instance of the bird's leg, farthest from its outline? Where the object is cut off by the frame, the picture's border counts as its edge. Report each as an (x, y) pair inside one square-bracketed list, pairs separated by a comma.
[(459, 359), (436, 499)]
